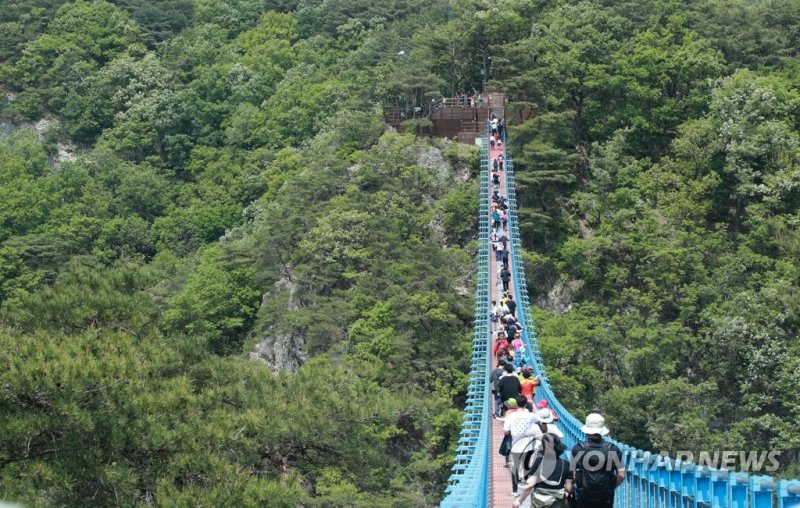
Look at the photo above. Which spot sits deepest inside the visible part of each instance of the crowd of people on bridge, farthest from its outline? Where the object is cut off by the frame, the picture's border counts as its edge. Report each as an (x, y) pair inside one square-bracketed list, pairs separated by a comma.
[(532, 443)]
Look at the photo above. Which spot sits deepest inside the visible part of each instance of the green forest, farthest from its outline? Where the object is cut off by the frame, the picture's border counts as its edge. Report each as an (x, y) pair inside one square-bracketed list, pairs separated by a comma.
[(224, 281)]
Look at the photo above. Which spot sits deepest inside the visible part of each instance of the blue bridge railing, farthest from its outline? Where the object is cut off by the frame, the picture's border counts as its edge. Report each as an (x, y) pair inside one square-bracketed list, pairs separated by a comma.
[(652, 480), (470, 477)]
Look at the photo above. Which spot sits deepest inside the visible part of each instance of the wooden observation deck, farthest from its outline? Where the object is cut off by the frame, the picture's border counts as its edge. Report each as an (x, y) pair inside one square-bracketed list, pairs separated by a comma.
[(459, 118)]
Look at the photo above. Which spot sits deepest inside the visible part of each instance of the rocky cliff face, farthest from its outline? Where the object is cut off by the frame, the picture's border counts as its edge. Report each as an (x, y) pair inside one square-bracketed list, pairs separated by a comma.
[(280, 349), (61, 151), (560, 297), (279, 338)]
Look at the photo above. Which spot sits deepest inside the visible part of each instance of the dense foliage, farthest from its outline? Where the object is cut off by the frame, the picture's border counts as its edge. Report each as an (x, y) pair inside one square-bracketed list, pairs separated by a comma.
[(183, 179), (658, 153)]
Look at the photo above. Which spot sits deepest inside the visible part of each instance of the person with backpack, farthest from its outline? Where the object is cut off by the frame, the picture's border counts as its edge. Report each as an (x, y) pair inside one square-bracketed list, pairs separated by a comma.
[(498, 251), (496, 220), (502, 238), (526, 436), (597, 467), (539, 425), (548, 477), (493, 379)]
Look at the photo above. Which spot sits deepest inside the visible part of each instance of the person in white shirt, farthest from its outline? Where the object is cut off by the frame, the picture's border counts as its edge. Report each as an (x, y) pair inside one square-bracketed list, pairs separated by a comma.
[(498, 251), (516, 424), (526, 433), (496, 312)]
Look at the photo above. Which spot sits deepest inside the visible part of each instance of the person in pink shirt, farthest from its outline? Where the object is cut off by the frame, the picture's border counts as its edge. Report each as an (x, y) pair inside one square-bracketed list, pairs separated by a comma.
[(517, 343)]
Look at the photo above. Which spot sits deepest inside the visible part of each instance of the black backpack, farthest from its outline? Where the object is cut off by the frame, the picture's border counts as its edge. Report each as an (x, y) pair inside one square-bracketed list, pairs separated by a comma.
[(594, 485)]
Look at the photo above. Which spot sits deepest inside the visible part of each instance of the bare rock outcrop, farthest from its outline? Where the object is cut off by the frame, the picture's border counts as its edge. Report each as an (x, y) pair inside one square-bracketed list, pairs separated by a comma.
[(281, 349)]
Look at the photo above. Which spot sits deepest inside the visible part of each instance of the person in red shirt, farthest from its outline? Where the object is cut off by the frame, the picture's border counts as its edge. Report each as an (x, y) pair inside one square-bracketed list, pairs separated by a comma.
[(500, 349)]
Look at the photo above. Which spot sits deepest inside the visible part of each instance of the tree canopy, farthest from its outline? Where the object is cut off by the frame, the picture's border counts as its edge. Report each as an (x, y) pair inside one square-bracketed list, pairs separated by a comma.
[(187, 184)]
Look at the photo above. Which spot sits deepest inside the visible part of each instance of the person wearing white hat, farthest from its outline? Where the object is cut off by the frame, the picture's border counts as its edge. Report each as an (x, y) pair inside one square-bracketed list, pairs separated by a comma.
[(595, 425), (526, 432), (596, 465)]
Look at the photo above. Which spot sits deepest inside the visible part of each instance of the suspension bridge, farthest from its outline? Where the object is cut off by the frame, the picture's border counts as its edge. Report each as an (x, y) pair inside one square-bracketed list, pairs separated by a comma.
[(479, 478)]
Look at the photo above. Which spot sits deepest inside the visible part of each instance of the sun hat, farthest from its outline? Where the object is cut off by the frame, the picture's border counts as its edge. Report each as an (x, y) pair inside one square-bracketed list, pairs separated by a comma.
[(542, 404), (595, 424), (511, 403), (544, 416)]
